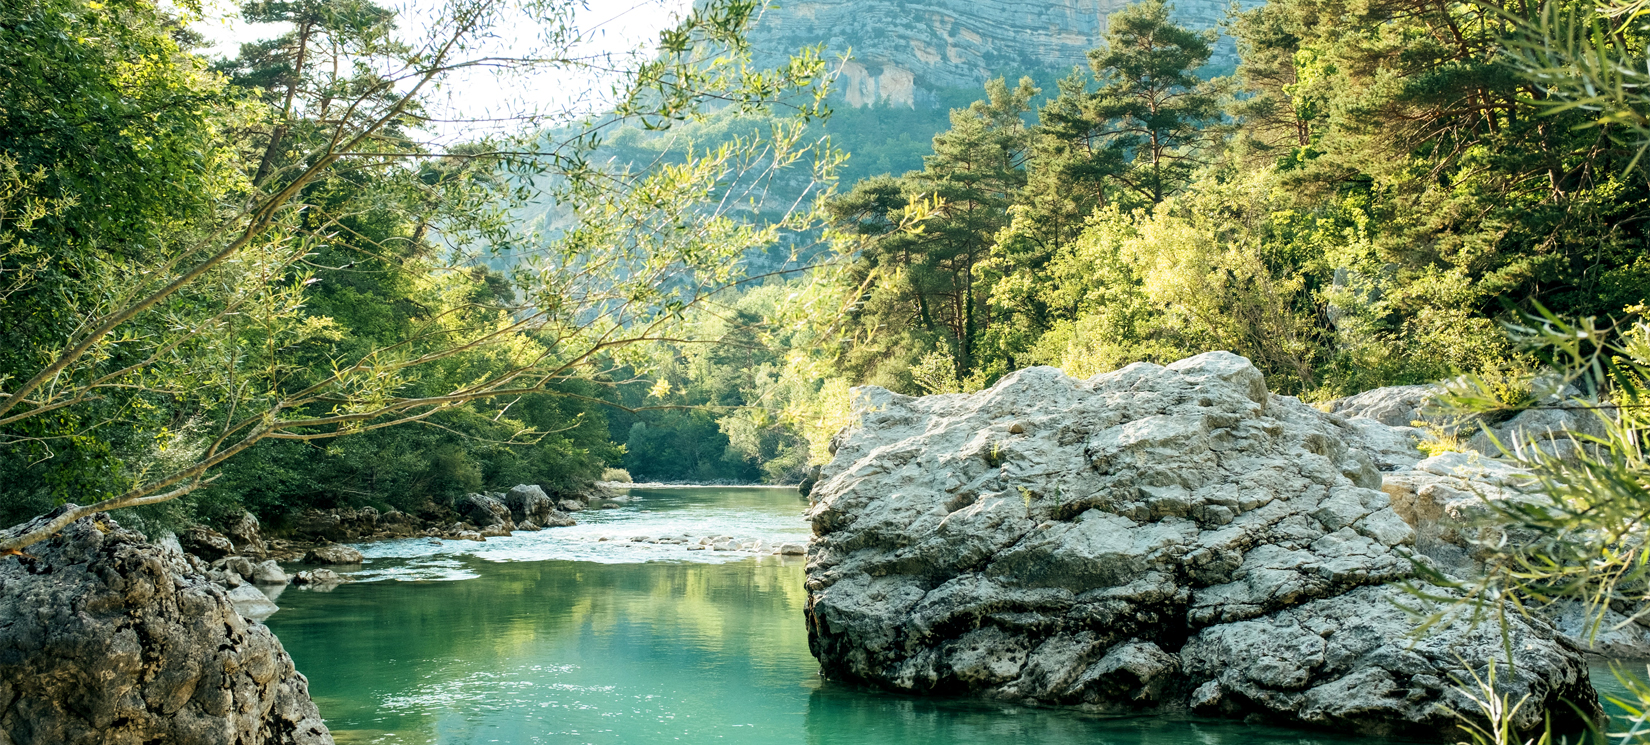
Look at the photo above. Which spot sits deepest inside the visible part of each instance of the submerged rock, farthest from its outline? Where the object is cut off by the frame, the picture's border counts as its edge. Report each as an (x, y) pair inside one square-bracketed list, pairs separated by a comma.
[(251, 602), (105, 638), (1155, 536), (315, 577)]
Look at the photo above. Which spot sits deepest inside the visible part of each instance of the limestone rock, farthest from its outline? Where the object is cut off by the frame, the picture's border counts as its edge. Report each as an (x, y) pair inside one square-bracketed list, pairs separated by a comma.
[(1390, 448), (530, 504), (905, 52), (1551, 430), (1143, 538), (1394, 406), (808, 482), (397, 524), (251, 603), (558, 519), (206, 543), (1348, 662), (486, 511), (333, 554), (269, 573), (244, 533), (1449, 501), (105, 638), (318, 577), (1601, 631), (317, 525)]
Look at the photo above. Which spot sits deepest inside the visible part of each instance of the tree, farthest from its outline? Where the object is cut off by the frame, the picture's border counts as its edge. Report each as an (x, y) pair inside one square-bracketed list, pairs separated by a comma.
[(924, 285), (214, 331), (1148, 120)]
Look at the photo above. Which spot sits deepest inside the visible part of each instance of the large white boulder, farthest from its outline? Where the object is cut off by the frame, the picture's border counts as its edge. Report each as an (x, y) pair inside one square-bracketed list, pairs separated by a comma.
[(1154, 536)]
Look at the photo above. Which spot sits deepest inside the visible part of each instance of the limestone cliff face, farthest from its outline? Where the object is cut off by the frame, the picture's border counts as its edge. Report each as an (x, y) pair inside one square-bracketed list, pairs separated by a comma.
[(904, 48)]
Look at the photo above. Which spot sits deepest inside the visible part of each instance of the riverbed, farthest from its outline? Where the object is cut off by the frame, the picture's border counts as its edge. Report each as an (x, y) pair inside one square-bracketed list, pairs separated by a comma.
[(619, 630)]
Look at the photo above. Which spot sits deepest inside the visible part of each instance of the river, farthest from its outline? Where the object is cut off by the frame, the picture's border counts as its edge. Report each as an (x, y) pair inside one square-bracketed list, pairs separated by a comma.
[(582, 635)]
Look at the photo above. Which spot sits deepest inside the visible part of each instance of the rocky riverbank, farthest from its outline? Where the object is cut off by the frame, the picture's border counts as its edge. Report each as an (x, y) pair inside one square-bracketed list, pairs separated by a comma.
[(248, 565), (1160, 537), (312, 535)]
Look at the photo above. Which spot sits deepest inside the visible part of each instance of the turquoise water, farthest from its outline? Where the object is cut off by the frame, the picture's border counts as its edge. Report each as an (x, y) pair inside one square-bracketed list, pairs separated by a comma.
[(563, 637)]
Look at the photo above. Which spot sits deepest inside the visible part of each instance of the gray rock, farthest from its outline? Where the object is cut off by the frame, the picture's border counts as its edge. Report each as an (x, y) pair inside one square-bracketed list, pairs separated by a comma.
[(1558, 432), (1555, 430), (1390, 448), (240, 565), (395, 523), (1450, 501), (792, 549), (1453, 502), (1602, 631), (558, 519), (1070, 561), (169, 543), (808, 482), (1395, 406), (318, 577), (528, 502), (333, 554), (315, 525), (487, 511), (244, 533), (269, 573), (1350, 662), (251, 603), (206, 543), (109, 639)]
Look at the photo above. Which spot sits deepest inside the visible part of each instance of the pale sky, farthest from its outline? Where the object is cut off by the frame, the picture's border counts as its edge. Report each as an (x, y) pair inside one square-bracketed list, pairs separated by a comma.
[(618, 26)]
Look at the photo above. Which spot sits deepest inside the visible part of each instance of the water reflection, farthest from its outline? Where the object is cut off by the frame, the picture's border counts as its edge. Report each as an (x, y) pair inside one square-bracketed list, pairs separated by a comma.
[(472, 647), (840, 714)]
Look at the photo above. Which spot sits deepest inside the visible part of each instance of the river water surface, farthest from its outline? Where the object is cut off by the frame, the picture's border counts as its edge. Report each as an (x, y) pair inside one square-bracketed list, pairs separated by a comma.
[(562, 637)]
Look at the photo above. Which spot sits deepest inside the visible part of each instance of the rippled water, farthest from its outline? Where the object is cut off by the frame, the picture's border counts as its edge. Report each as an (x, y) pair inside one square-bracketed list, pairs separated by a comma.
[(561, 637)]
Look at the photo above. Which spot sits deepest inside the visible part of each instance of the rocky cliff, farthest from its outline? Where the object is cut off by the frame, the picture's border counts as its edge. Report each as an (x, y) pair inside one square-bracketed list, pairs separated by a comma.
[(1152, 537), (903, 50), (106, 639)]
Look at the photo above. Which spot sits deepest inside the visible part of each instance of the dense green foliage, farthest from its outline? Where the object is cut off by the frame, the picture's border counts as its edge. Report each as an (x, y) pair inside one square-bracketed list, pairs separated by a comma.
[(1356, 205), (1383, 184), (263, 283), (1361, 203)]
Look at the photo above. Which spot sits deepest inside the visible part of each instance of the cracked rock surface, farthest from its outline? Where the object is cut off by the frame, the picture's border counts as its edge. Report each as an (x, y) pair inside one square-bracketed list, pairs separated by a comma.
[(108, 639), (1151, 537)]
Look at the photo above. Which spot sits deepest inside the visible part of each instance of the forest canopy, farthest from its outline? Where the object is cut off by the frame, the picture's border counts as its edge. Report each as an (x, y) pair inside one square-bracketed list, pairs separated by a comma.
[(1366, 200), (263, 281)]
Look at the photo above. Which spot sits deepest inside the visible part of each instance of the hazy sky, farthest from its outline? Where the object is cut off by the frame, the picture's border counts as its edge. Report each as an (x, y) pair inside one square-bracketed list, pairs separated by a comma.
[(609, 25)]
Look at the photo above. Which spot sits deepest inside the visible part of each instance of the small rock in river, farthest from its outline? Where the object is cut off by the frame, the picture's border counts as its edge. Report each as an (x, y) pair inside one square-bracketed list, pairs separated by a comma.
[(333, 554), (250, 603), (269, 573)]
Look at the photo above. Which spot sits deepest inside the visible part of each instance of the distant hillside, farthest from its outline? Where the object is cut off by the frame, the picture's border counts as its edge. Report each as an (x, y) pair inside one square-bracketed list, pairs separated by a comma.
[(912, 53)]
